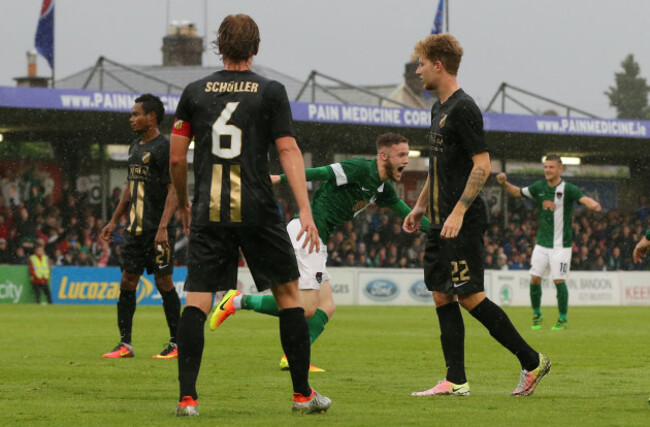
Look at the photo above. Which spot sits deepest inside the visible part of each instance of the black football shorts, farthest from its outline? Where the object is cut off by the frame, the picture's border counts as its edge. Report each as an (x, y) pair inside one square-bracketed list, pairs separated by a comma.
[(138, 253), (214, 254), (455, 266)]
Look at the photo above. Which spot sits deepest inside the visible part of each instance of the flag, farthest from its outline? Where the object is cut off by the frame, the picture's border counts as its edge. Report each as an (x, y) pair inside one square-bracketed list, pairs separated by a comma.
[(44, 40), (437, 22)]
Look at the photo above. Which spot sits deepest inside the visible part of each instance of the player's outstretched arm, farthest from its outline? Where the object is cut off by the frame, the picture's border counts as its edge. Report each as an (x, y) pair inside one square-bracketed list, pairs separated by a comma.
[(641, 250), (475, 182), (178, 171), (590, 203), (513, 190), (294, 169), (322, 173), (121, 208)]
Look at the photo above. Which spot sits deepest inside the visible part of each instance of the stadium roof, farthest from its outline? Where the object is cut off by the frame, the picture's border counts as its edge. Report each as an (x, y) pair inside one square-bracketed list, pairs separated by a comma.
[(109, 75)]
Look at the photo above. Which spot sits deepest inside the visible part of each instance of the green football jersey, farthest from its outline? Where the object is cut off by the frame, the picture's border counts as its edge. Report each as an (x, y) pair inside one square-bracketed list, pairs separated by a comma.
[(555, 210), (347, 188)]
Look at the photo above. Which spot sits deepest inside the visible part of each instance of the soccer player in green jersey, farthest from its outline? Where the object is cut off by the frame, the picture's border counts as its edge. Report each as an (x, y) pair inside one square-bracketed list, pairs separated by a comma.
[(347, 188), (555, 199)]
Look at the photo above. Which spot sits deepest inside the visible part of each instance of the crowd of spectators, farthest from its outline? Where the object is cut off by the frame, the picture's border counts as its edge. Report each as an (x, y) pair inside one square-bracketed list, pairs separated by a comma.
[(70, 233)]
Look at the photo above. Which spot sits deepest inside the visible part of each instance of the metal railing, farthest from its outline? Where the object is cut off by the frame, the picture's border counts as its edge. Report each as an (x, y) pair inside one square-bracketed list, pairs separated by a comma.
[(313, 84), (504, 95)]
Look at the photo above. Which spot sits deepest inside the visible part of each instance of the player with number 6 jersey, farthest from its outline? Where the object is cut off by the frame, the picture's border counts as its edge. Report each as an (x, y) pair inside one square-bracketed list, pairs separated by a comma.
[(235, 115)]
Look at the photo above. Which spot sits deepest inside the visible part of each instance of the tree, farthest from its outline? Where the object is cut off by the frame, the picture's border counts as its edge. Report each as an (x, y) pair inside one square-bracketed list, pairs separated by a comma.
[(630, 96)]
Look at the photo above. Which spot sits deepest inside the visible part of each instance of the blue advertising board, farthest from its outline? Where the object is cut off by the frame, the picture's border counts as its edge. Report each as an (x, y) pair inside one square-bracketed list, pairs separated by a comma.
[(92, 285), (87, 100)]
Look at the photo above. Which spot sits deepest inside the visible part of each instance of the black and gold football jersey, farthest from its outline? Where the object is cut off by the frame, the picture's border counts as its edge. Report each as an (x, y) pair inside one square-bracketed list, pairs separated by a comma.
[(455, 136), (234, 117), (148, 177)]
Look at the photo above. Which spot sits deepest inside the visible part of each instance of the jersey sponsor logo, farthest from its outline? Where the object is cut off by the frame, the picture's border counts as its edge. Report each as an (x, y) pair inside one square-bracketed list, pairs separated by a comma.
[(548, 205), (146, 157), (443, 121), (381, 290), (435, 142), (419, 291), (359, 205), (138, 173)]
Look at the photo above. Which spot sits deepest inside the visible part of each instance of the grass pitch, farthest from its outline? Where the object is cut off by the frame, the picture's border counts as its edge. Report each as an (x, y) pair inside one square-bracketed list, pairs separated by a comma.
[(52, 371)]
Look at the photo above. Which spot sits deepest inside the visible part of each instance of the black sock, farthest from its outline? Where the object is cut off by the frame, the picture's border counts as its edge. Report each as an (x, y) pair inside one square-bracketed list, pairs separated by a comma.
[(501, 328), (452, 337), (48, 294), (172, 307), (37, 293), (125, 312), (190, 349), (294, 335)]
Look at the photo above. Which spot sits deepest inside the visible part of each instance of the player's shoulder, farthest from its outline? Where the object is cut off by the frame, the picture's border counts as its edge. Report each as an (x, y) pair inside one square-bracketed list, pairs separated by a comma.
[(358, 162), (161, 143), (464, 102)]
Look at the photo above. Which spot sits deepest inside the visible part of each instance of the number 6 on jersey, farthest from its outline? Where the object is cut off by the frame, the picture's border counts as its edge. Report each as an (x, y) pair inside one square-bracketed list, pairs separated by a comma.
[(221, 128)]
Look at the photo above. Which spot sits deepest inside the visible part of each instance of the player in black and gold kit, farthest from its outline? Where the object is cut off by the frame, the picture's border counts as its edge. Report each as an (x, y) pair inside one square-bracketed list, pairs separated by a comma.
[(234, 116), (149, 238), (459, 165)]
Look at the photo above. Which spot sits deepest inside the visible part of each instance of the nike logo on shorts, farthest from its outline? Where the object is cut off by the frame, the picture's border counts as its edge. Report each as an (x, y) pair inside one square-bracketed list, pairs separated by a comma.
[(458, 285)]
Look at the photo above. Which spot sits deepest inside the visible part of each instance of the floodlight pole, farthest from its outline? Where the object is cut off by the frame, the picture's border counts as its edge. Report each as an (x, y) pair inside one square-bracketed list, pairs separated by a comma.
[(447, 15)]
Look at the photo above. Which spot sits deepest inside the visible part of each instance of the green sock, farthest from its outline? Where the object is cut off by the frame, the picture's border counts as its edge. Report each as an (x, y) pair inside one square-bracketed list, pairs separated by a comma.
[(317, 324), (260, 303), (536, 299), (562, 299)]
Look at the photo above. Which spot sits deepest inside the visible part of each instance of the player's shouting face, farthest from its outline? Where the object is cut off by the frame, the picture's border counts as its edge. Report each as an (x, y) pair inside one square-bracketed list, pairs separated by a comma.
[(395, 159)]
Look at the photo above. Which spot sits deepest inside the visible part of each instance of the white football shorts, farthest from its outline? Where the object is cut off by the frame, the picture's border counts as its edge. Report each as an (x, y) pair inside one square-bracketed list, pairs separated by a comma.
[(558, 260), (311, 265)]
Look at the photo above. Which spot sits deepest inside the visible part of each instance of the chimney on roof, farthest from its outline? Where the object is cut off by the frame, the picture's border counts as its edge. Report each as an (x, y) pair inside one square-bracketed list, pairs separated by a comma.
[(31, 79), (182, 46), (411, 79)]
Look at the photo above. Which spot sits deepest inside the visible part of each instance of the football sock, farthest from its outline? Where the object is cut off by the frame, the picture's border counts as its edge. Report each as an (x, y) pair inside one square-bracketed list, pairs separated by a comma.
[(316, 324), (190, 349), (260, 303), (536, 299), (125, 312), (562, 299), (501, 328), (172, 306), (452, 337), (294, 335)]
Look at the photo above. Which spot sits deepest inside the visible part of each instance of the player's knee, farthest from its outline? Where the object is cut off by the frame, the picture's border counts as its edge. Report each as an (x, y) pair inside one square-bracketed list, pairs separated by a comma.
[(309, 311), (129, 281), (164, 283)]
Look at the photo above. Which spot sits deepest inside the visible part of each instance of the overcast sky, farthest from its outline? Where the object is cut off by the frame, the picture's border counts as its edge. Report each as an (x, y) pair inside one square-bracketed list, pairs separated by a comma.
[(564, 50)]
